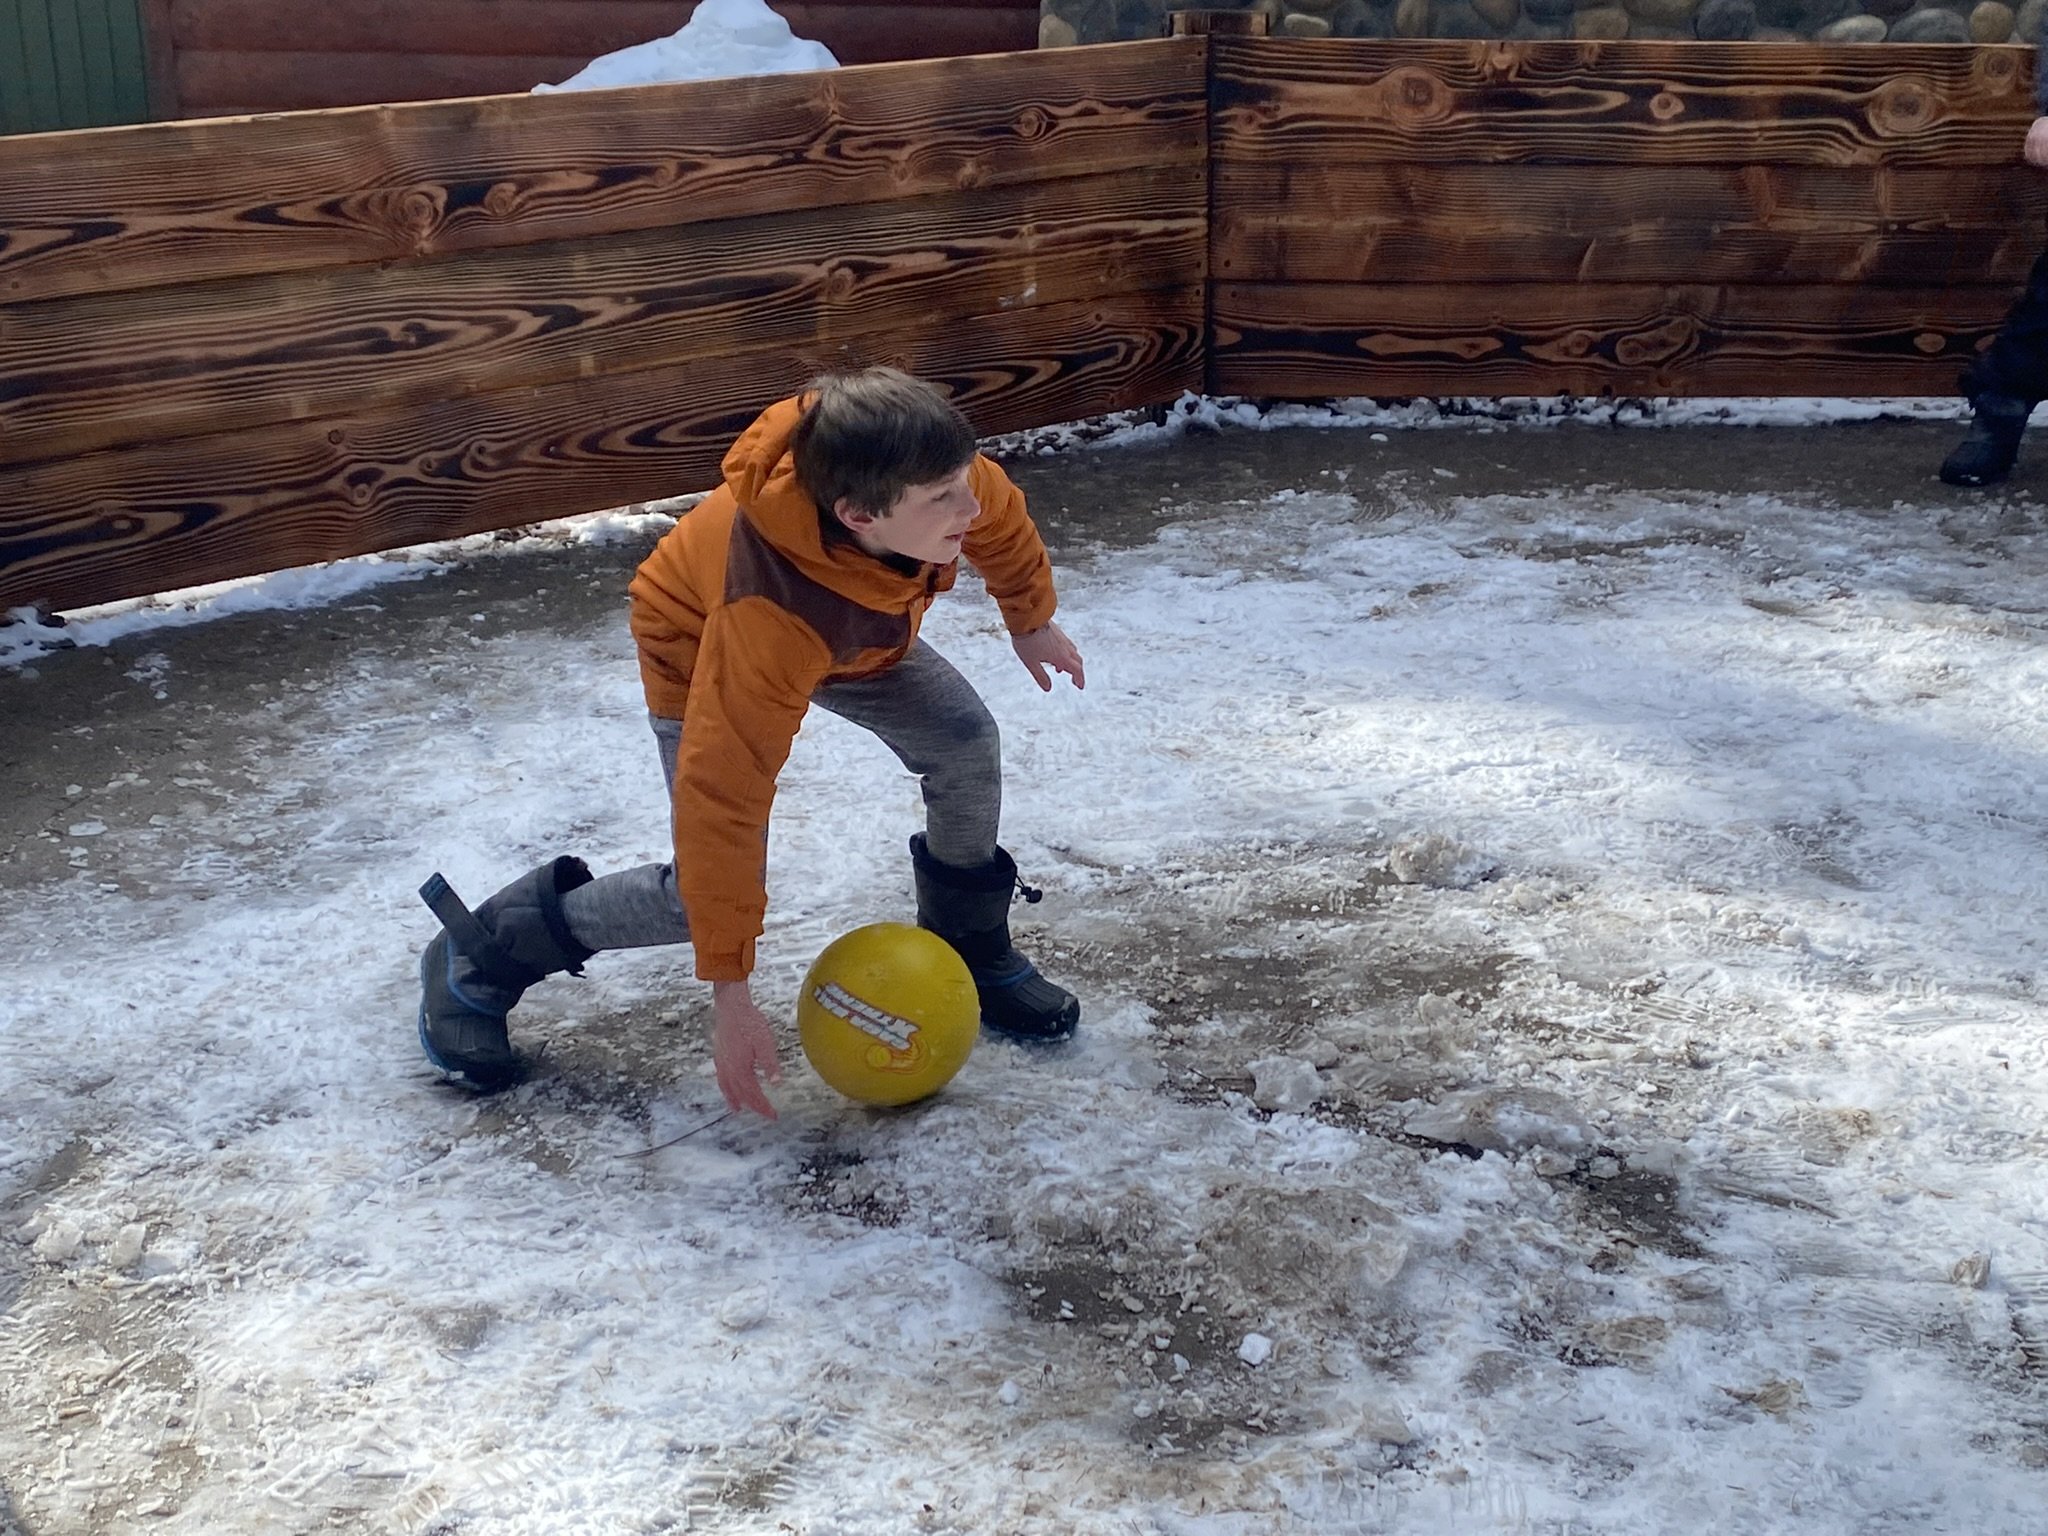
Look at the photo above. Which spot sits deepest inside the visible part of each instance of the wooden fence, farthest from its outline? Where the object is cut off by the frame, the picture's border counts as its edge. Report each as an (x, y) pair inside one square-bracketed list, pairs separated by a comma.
[(1429, 218), (227, 347), (216, 57), (231, 346)]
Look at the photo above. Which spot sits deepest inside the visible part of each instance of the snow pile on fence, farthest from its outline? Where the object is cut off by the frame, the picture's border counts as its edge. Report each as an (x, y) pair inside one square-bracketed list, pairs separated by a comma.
[(722, 39)]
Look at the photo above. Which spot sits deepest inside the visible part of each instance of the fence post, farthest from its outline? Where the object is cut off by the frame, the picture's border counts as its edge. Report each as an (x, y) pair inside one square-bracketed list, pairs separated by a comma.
[(1207, 24)]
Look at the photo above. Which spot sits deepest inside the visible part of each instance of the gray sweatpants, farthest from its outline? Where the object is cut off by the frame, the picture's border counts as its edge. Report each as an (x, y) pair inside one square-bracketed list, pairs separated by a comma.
[(924, 711)]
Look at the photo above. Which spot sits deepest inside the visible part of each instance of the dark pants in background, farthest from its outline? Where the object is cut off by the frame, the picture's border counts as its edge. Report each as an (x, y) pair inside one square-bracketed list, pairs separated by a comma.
[(2016, 363)]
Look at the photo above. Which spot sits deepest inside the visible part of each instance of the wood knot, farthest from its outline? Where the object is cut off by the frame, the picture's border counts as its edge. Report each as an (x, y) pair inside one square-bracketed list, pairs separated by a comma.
[(1414, 95), (1658, 344), (420, 208), (1666, 105), (1902, 107), (1033, 123), (502, 201), (1933, 343)]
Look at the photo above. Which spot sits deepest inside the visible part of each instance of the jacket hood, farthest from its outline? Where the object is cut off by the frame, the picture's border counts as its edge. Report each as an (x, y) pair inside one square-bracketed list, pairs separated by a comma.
[(761, 474)]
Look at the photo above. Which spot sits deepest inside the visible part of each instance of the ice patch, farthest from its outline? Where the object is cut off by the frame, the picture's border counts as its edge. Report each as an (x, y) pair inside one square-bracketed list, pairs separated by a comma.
[(1439, 861), (1285, 1083), (1502, 1120), (126, 1248), (59, 1242)]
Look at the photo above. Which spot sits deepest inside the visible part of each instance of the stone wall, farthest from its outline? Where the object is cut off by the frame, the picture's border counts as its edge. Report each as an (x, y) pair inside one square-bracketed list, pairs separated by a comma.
[(1063, 23)]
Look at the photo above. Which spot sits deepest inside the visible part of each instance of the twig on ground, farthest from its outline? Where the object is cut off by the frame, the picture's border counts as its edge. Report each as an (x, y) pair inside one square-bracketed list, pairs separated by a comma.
[(650, 1151)]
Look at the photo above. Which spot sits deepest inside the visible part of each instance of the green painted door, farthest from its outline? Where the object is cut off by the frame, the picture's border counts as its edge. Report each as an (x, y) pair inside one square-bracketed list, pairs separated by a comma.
[(71, 64)]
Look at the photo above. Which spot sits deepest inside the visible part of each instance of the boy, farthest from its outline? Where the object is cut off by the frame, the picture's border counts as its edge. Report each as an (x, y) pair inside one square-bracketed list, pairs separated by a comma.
[(801, 580)]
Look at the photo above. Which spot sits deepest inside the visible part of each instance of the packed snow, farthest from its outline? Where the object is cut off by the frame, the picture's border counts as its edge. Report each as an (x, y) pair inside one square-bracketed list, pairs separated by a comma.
[(1481, 413), (722, 39), (1565, 1051)]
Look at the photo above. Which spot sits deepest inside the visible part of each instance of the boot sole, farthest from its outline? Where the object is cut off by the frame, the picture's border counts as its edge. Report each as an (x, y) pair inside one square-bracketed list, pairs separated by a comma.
[(1059, 1034), (461, 1077), (1015, 1038)]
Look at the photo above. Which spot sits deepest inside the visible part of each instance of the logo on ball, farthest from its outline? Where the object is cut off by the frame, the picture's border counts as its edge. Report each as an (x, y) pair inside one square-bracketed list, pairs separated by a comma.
[(898, 1051)]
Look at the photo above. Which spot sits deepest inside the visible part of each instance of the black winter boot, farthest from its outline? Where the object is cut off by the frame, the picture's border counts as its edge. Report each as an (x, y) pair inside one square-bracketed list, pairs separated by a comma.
[(1985, 456), (970, 910), (480, 963)]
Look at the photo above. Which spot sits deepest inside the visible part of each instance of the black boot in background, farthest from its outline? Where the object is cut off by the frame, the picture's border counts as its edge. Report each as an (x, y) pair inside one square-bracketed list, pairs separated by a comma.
[(1985, 456), (970, 910), (481, 962)]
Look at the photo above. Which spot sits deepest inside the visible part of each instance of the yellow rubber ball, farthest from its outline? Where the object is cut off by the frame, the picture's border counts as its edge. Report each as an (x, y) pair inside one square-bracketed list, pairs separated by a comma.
[(888, 1014)]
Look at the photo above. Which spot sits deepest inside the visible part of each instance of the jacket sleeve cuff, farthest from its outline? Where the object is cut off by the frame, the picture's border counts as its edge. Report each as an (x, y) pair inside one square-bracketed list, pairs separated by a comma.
[(725, 963), (1023, 615)]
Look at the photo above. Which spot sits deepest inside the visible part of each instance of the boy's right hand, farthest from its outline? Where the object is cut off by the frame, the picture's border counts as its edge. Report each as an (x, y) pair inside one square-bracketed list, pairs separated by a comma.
[(2037, 143), (1046, 650), (742, 1048)]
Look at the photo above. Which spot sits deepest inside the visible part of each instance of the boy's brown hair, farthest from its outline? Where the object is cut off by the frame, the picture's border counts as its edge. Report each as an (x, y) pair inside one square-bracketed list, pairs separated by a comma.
[(871, 434)]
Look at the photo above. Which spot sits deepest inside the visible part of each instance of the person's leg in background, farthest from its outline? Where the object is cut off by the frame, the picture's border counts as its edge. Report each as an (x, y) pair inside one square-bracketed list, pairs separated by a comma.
[(2003, 386)]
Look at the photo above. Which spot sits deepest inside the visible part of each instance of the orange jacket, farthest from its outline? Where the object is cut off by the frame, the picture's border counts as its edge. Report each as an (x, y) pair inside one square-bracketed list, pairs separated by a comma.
[(741, 612)]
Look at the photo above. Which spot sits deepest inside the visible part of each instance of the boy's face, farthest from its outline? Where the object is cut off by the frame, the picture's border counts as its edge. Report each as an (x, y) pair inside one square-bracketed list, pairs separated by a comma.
[(927, 522)]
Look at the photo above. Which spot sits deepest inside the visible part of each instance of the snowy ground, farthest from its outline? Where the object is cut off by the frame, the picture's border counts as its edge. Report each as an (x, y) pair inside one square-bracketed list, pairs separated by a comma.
[(1625, 881)]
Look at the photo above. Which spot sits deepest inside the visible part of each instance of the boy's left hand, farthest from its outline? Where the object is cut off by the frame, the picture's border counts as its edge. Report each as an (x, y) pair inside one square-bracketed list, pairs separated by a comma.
[(1047, 650)]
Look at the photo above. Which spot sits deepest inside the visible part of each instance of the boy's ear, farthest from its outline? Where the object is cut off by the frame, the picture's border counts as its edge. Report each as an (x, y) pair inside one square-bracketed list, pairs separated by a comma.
[(859, 519)]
